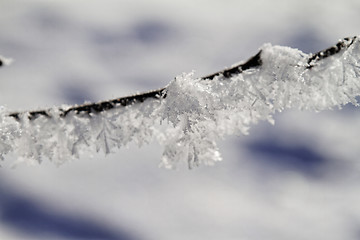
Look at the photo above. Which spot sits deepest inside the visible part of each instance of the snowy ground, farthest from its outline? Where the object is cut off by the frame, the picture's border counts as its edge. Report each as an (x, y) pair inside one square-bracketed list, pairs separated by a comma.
[(295, 180)]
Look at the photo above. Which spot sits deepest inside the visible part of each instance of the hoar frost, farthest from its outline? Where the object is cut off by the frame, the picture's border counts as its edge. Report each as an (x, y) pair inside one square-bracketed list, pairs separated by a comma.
[(195, 114)]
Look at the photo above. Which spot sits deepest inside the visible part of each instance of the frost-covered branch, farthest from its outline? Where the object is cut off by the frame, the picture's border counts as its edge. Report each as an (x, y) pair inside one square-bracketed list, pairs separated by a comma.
[(253, 62), (190, 114)]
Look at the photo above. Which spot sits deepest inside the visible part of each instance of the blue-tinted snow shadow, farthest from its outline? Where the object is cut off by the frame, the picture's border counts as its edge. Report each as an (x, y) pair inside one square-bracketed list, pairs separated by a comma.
[(116, 45), (351, 108), (47, 19), (27, 216), (75, 93), (307, 39), (275, 156), (149, 31)]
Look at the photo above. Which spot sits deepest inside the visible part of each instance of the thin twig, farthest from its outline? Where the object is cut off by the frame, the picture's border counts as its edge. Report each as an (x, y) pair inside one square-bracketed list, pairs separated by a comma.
[(342, 44), (253, 62)]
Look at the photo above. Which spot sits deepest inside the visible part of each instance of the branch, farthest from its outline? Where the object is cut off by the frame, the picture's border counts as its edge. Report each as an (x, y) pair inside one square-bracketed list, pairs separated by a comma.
[(199, 110), (253, 62)]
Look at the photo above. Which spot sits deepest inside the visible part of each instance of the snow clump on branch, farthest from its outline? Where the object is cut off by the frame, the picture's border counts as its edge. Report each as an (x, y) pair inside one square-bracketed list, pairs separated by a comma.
[(195, 113)]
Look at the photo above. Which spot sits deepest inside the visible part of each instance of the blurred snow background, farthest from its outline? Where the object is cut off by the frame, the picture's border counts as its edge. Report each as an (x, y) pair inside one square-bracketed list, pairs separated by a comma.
[(295, 180)]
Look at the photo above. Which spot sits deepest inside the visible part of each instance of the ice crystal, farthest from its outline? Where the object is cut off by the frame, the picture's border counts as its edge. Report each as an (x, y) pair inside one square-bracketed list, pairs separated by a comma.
[(195, 114)]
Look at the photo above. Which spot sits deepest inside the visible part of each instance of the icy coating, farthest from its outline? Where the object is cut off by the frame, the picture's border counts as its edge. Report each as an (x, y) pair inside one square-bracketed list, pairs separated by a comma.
[(195, 114)]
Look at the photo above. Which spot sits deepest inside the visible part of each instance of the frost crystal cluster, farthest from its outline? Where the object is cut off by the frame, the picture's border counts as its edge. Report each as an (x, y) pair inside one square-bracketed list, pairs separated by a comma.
[(195, 113)]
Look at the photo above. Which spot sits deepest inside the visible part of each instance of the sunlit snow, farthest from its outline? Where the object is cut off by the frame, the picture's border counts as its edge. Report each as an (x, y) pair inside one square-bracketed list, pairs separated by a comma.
[(195, 114)]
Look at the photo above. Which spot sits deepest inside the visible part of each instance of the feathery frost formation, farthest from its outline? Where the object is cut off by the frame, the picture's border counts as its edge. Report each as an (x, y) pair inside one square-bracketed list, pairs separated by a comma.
[(195, 112)]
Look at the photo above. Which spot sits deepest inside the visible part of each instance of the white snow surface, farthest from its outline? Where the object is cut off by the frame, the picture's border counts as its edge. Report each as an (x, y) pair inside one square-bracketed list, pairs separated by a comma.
[(70, 51)]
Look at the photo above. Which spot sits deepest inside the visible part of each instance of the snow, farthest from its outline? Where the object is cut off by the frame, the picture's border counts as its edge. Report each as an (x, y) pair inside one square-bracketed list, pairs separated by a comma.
[(5, 61), (200, 111), (61, 45)]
